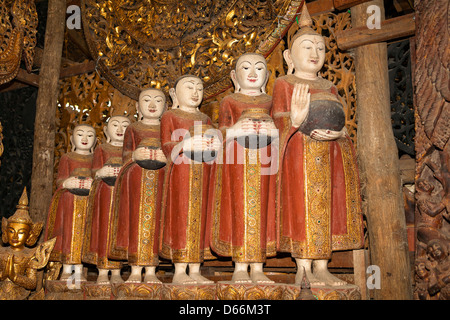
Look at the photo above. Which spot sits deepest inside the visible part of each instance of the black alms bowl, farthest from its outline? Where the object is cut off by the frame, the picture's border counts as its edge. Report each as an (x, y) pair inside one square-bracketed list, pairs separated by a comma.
[(324, 114), (110, 180), (151, 164), (79, 191), (254, 141), (201, 156)]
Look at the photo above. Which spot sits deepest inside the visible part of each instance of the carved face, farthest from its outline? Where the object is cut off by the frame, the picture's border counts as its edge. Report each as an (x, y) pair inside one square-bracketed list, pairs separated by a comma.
[(17, 234), (189, 92), (308, 54), (251, 72), (83, 138), (115, 129), (421, 270), (435, 251), (151, 104)]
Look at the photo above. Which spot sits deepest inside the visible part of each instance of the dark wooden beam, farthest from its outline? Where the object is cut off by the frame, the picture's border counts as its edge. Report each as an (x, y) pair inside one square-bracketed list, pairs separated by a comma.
[(24, 78), (12, 85), (37, 61), (403, 5), (394, 28), (345, 4), (76, 69), (320, 6), (77, 38), (28, 78)]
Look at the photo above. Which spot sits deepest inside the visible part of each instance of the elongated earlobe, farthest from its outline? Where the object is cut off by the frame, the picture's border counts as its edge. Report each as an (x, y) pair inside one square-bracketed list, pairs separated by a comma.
[(173, 95), (73, 144), (263, 88), (105, 130), (288, 59), (139, 117), (93, 146), (237, 87)]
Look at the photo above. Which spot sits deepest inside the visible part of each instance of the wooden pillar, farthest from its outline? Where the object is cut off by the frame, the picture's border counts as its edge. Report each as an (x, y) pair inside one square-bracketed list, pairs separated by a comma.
[(378, 160), (44, 128)]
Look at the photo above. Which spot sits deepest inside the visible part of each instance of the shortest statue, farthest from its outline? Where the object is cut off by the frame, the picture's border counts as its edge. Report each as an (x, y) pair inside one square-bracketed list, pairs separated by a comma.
[(18, 264), (67, 213)]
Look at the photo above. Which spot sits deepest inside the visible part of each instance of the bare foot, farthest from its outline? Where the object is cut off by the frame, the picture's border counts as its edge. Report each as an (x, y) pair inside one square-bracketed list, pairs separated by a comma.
[(257, 275), (240, 276), (134, 278), (103, 279), (116, 279), (194, 273), (321, 272), (183, 278), (260, 277), (329, 279), (313, 280), (199, 278), (151, 278)]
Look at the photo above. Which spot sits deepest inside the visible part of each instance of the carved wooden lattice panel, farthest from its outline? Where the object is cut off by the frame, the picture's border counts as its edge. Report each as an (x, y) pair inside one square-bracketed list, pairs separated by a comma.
[(18, 28), (16, 161), (401, 93)]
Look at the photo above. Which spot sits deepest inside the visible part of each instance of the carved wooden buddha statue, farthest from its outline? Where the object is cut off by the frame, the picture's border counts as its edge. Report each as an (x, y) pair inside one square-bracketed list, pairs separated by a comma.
[(106, 165), (244, 216), (318, 194), (185, 239), (67, 213), (138, 191)]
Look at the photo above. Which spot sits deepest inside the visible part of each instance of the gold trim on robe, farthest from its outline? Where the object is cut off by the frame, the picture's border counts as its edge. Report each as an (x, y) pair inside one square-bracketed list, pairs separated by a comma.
[(318, 195), (320, 242), (147, 212), (78, 222)]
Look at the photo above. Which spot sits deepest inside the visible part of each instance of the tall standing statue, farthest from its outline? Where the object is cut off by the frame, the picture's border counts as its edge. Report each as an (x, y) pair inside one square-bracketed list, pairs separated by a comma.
[(67, 213), (244, 210), (184, 136), (138, 191), (105, 167), (318, 193), (18, 264)]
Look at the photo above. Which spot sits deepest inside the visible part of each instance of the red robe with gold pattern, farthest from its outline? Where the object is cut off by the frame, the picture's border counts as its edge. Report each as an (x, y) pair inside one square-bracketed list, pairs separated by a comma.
[(66, 216), (184, 221), (318, 193), (137, 204), (244, 206), (99, 211)]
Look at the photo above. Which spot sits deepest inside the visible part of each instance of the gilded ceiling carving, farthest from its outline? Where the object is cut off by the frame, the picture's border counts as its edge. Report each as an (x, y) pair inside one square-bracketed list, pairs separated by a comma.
[(141, 43)]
